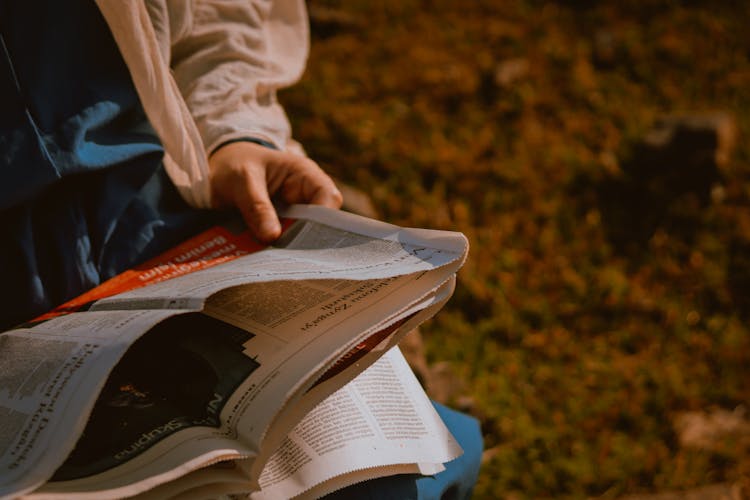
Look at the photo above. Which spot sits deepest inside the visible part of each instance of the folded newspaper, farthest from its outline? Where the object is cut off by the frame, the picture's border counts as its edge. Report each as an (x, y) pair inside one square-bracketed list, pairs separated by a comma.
[(225, 367)]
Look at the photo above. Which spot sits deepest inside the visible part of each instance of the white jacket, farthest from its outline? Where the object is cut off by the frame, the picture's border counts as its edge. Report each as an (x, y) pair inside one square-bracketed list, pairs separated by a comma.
[(207, 71)]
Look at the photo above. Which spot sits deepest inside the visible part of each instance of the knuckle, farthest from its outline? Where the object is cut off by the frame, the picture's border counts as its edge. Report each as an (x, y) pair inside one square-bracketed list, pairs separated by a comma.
[(309, 164)]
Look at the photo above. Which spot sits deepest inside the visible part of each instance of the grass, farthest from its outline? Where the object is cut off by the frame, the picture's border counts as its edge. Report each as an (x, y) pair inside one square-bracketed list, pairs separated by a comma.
[(599, 301)]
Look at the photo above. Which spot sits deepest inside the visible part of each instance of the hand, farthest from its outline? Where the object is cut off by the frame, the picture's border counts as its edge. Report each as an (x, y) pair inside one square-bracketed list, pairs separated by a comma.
[(246, 175)]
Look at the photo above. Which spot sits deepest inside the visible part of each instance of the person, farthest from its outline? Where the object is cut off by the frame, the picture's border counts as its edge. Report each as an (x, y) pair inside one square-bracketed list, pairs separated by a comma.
[(125, 122), (119, 121)]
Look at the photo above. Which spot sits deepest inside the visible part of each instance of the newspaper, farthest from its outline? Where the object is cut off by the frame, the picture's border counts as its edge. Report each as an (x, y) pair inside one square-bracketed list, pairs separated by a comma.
[(382, 417), (229, 346)]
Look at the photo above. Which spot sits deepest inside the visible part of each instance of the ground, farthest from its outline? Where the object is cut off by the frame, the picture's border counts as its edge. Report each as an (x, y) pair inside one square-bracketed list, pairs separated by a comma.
[(599, 330)]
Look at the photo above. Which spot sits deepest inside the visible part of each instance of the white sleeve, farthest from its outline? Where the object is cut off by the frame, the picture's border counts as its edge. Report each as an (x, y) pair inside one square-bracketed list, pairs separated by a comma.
[(230, 59)]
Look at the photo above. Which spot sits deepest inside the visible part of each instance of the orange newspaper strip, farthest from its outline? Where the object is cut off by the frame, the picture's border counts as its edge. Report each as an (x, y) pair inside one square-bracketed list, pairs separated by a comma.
[(207, 249), (358, 351)]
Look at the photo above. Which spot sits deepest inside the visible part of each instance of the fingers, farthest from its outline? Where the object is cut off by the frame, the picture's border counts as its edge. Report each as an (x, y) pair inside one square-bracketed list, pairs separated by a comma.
[(328, 198), (301, 180), (238, 178), (247, 175), (325, 193)]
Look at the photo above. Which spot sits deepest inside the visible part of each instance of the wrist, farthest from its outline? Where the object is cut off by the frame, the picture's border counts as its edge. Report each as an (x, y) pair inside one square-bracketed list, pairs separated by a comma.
[(253, 140)]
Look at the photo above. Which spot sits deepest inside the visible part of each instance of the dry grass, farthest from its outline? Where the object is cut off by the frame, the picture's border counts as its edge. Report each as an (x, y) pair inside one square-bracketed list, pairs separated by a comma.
[(606, 296)]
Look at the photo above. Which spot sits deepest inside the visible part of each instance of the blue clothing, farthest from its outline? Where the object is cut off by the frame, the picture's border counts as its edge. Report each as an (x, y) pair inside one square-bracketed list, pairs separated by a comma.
[(83, 194)]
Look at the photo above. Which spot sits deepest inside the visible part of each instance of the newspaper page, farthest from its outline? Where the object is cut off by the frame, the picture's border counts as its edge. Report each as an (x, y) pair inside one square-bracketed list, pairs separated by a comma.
[(334, 375), (43, 412), (382, 418), (406, 266), (53, 368), (206, 421), (321, 244), (381, 423)]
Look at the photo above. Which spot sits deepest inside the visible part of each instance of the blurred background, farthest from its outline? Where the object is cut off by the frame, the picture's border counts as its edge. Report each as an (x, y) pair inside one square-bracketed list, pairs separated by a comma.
[(596, 156)]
